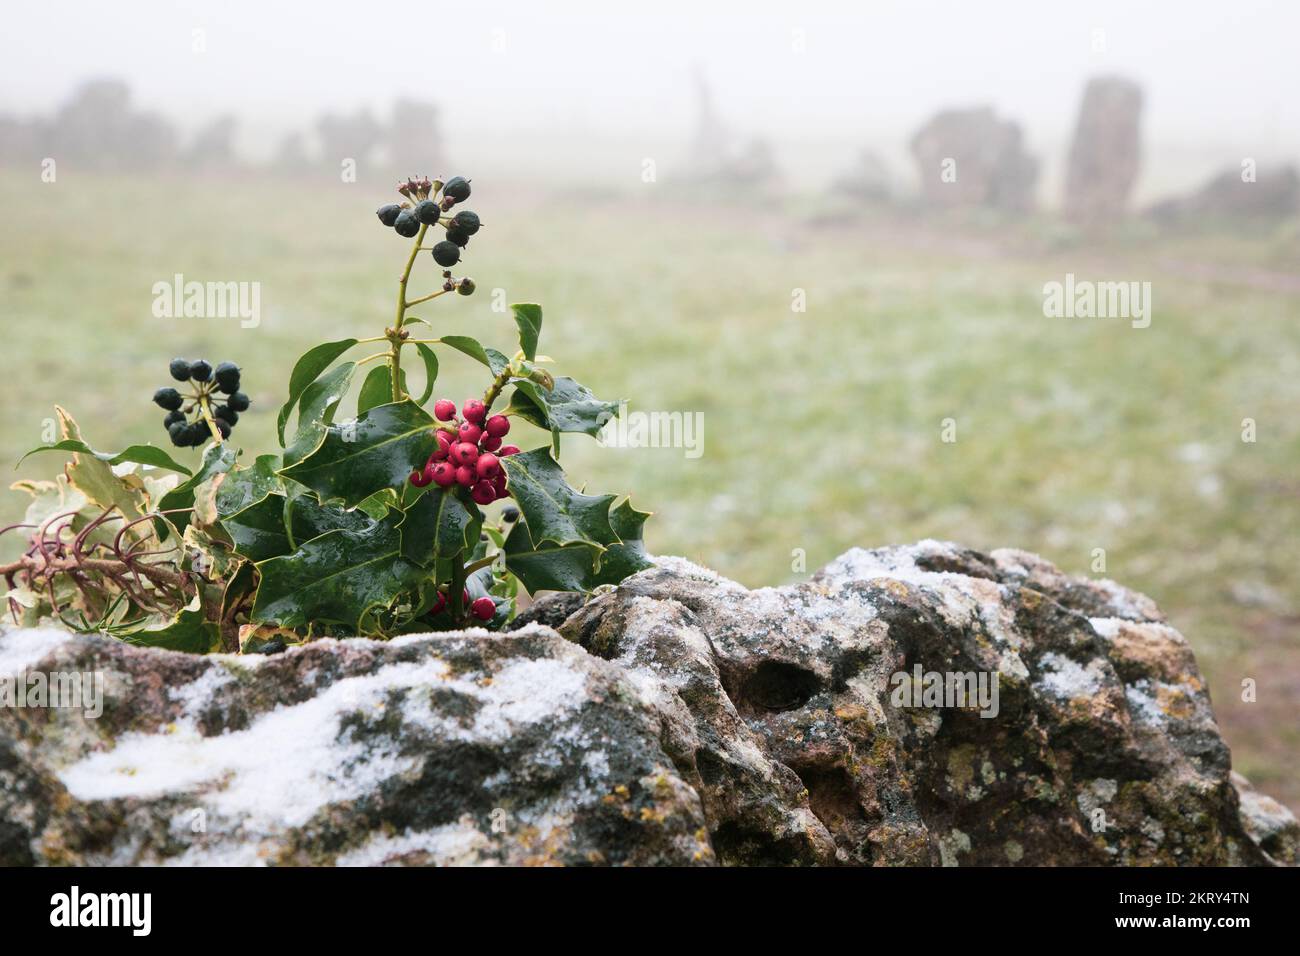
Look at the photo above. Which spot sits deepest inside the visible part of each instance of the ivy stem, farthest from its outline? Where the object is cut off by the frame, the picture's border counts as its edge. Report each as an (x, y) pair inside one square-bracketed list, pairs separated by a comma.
[(426, 298), (207, 417), (395, 334)]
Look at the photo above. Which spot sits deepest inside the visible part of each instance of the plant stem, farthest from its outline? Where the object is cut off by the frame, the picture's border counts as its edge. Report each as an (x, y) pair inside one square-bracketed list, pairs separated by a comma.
[(498, 383), (207, 417), (426, 298), (395, 336), (457, 595)]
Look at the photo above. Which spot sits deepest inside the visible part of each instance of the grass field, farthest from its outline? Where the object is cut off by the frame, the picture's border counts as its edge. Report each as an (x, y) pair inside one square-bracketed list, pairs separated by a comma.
[(822, 428)]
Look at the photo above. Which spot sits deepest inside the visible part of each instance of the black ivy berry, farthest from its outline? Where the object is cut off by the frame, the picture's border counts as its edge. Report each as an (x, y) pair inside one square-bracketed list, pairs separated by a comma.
[(459, 236), (172, 418), (388, 214), (239, 402), (180, 369), (465, 286), (466, 221), (200, 370), (446, 253), (457, 188), (406, 224), (223, 427), (179, 433), (167, 398), (510, 514), (227, 376), (427, 212), (196, 433), (227, 413)]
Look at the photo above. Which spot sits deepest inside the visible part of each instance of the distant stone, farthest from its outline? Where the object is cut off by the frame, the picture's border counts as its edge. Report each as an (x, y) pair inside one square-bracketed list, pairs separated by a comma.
[(1235, 197), (1105, 154), (973, 158)]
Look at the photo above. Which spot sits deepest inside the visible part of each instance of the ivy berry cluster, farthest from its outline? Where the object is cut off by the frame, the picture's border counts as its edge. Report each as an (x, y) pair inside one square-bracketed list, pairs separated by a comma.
[(423, 208), (469, 452), (209, 419)]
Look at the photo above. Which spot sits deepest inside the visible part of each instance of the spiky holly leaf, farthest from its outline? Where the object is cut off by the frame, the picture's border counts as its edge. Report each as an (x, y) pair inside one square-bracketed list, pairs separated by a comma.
[(337, 577), (277, 525), (441, 523), (553, 510), (579, 566), (375, 451), (307, 369), (568, 407)]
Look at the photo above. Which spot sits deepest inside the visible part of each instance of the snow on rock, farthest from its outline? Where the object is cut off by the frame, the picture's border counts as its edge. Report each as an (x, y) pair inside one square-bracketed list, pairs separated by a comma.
[(676, 719)]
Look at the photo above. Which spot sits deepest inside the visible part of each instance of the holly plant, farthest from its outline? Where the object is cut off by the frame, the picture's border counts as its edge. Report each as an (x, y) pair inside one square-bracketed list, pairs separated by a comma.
[(414, 515)]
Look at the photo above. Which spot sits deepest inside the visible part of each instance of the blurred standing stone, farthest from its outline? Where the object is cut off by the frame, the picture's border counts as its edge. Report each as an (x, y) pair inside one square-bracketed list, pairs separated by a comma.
[(973, 158), (1106, 152)]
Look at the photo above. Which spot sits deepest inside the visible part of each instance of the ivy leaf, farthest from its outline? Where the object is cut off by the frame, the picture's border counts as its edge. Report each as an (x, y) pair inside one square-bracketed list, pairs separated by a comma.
[(568, 407), (246, 486), (188, 631), (377, 450), (377, 389), (553, 510), (139, 454), (430, 370), (441, 523), (307, 369), (528, 316), (493, 359), (336, 577), (218, 458), (316, 410)]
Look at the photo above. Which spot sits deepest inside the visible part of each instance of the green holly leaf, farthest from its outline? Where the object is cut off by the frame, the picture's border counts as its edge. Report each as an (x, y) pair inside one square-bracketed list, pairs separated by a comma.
[(246, 486), (568, 407), (258, 531), (441, 523), (377, 389), (528, 316), (337, 577), (579, 566), (553, 510), (306, 518), (493, 359), (307, 369), (430, 370), (316, 410), (377, 450)]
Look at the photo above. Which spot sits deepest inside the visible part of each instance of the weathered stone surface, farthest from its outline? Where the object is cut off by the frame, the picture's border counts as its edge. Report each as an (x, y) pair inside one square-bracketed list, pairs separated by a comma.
[(1106, 152), (973, 158), (686, 720)]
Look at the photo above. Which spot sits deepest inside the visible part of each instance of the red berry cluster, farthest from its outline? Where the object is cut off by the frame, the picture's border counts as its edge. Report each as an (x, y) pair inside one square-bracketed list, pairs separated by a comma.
[(483, 608), (469, 452)]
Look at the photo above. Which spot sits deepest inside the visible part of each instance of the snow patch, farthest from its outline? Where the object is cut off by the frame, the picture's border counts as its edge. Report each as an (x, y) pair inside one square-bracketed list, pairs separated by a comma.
[(21, 648)]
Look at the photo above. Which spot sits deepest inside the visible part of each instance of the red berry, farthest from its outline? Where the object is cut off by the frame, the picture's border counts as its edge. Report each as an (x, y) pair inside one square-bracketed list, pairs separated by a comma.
[(439, 604), (484, 608), (444, 473), (474, 411), (464, 476), (464, 453), (483, 493), (489, 443), (464, 596), (420, 478), (470, 432), (487, 465), (499, 485), (445, 440), (444, 409), (497, 426), (507, 450)]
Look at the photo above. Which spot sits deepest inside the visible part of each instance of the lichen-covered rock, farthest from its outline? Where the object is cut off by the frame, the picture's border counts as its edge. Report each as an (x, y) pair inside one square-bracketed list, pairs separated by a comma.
[(685, 720)]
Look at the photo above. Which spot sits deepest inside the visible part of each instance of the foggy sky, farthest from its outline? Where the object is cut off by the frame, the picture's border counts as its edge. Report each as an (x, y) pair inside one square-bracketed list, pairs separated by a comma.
[(1220, 78)]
